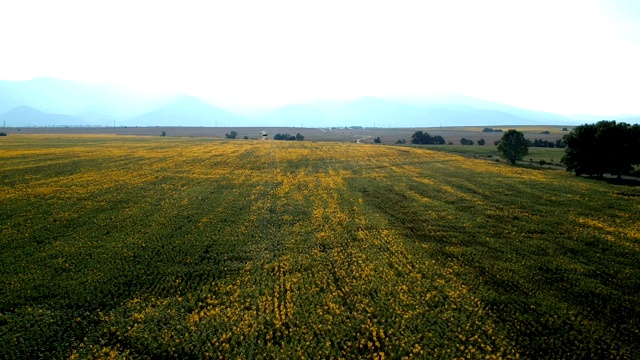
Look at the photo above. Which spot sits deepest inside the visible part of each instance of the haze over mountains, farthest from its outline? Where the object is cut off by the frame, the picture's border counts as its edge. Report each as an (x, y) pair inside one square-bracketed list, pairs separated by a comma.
[(54, 102)]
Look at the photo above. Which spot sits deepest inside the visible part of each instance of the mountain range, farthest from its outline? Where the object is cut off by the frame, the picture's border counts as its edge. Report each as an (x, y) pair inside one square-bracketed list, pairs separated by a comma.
[(54, 102)]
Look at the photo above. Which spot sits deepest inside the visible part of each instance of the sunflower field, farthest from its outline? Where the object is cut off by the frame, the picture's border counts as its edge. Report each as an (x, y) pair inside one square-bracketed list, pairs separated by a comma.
[(125, 247)]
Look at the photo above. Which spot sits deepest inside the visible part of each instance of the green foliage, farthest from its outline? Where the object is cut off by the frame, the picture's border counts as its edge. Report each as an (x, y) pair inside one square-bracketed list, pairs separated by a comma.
[(465, 141), (377, 140), (3, 134), (481, 142), (546, 143), (164, 133), (401, 141), (299, 137), (420, 137), (285, 136), (231, 135), (604, 147), (513, 146)]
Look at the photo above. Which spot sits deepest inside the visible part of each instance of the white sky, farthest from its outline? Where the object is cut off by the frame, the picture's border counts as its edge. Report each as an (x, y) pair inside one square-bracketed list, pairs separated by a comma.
[(562, 56)]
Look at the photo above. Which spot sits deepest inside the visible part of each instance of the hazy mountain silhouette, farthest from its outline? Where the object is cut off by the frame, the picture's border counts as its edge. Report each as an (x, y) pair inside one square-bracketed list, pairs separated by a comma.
[(91, 104), (187, 111), (7, 103), (28, 116), (53, 95), (371, 111), (96, 104), (458, 102), (296, 115)]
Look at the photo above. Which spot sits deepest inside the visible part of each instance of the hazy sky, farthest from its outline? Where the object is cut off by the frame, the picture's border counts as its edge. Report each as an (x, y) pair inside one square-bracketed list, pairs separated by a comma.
[(563, 56)]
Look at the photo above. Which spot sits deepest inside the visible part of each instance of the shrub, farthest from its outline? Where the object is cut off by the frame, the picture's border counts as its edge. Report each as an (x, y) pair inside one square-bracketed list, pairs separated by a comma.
[(232, 135)]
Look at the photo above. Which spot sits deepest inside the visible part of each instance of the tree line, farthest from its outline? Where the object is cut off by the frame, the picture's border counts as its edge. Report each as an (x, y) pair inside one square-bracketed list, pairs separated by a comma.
[(606, 147), (287, 136)]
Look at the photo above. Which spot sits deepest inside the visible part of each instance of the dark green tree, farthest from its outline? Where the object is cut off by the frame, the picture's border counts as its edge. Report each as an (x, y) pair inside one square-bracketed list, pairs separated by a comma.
[(299, 137), (603, 147), (420, 137), (481, 142), (438, 140), (513, 146), (377, 140), (285, 136), (231, 135)]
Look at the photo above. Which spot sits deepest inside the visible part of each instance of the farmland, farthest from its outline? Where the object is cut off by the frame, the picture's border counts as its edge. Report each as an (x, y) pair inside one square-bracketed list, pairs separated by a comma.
[(167, 247)]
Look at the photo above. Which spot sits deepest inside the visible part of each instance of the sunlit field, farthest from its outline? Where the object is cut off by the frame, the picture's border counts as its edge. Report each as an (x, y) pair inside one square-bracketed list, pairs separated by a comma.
[(160, 247)]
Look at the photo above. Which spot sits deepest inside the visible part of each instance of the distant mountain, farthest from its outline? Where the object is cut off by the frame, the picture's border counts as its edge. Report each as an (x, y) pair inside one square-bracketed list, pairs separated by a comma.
[(96, 104), (28, 116), (53, 95), (505, 114), (91, 104), (295, 115), (371, 111), (187, 111)]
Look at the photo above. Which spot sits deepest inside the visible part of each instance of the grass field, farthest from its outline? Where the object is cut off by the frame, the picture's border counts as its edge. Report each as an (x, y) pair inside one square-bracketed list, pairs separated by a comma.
[(536, 154), (160, 248)]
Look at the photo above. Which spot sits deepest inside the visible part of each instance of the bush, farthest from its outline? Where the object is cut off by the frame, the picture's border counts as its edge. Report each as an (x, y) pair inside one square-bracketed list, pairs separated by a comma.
[(481, 142), (285, 136), (3, 134), (232, 135)]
